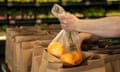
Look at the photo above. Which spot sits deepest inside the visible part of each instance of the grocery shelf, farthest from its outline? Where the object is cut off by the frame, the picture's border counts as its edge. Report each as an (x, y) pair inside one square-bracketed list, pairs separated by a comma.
[(61, 3), (25, 4), (90, 3), (44, 8), (50, 20), (31, 21), (3, 22)]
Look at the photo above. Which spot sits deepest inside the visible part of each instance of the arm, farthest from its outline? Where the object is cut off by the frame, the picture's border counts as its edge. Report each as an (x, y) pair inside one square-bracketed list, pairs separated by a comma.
[(105, 27)]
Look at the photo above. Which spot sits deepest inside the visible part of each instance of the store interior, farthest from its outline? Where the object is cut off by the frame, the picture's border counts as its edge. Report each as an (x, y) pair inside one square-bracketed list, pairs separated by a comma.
[(37, 13)]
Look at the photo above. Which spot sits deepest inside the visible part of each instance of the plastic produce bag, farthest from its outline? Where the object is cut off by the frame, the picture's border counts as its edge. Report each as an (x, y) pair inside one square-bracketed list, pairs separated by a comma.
[(67, 39), (66, 46)]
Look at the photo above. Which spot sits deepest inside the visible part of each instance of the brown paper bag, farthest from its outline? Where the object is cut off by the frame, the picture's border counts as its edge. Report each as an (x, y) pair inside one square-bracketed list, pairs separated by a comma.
[(10, 49), (50, 63), (47, 59), (25, 56), (26, 51), (36, 58), (11, 33), (19, 50), (38, 49), (11, 41), (112, 63)]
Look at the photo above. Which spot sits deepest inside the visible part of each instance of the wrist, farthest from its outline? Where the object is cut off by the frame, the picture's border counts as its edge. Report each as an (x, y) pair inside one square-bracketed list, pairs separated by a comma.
[(79, 25)]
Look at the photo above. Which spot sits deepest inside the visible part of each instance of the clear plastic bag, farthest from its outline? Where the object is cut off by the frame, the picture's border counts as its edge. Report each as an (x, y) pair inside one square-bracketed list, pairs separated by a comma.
[(68, 39), (66, 45)]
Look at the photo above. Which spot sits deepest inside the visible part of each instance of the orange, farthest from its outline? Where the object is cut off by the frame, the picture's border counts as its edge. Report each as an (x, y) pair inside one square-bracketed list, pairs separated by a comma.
[(72, 58), (56, 49), (68, 58), (78, 57)]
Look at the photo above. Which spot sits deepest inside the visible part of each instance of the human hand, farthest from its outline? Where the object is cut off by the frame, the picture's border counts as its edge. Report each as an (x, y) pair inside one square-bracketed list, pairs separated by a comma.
[(68, 21)]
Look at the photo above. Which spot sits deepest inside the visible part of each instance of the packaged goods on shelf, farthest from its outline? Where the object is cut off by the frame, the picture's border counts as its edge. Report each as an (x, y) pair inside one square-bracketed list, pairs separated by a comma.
[(46, 1), (21, 1), (113, 13), (53, 0), (94, 12), (71, 0), (2, 0), (27, 1), (112, 0), (42, 1)]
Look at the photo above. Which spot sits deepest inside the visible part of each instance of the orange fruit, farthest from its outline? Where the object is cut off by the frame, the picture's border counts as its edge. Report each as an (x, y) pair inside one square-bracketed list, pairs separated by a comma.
[(78, 57), (68, 58), (72, 58), (56, 49)]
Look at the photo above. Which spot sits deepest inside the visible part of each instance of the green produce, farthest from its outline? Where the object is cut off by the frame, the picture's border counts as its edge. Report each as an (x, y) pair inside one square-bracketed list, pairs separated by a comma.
[(94, 12), (10, 0), (51, 16), (113, 13), (41, 1), (27, 1), (2, 0), (17, 1), (41, 16), (53, 0)]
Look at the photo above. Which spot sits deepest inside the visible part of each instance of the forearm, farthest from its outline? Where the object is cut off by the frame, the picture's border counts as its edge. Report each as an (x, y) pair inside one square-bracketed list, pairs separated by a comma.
[(105, 27)]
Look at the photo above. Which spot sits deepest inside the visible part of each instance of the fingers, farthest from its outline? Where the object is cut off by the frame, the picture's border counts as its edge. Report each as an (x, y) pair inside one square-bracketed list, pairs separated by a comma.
[(64, 16), (63, 25), (67, 18), (67, 21)]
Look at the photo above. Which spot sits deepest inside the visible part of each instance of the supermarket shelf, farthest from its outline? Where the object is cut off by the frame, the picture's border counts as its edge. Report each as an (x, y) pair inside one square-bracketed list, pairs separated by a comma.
[(28, 22), (26, 4), (90, 4), (47, 6), (50, 20), (62, 3), (3, 22)]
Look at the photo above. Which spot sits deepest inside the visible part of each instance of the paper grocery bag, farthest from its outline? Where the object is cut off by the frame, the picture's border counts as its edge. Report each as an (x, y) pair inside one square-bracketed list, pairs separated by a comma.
[(112, 63), (25, 56), (39, 46), (18, 46), (11, 33), (36, 58), (50, 63), (21, 47)]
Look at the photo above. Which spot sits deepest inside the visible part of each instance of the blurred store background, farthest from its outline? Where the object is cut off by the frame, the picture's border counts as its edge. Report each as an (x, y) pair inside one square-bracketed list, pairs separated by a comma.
[(37, 12)]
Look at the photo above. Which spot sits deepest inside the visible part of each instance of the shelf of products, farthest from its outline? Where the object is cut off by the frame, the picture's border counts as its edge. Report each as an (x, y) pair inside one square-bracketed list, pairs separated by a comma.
[(43, 18), (37, 3), (38, 11), (30, 22), (63, 4)]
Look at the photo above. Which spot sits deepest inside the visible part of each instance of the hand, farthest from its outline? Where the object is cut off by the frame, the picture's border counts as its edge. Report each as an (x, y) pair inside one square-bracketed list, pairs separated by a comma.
[(69, 22)]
